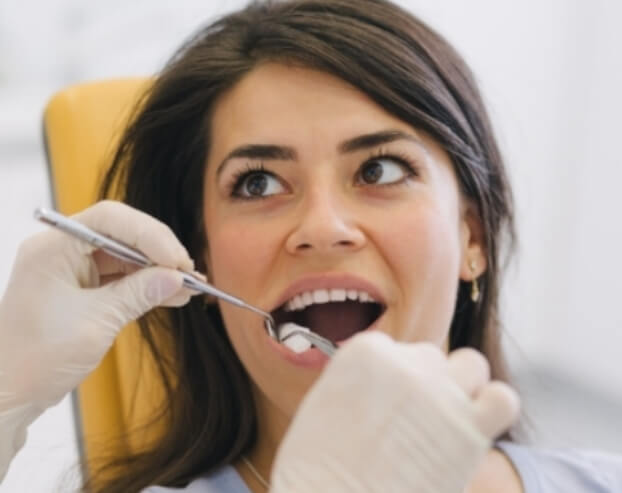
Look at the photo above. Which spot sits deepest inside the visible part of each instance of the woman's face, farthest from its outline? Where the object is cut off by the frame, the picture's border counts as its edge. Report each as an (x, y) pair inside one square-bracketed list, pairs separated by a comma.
[(313, 190)]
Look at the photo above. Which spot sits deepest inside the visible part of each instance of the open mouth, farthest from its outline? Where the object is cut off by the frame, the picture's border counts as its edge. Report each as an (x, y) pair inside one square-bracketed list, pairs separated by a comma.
[(333, 315)]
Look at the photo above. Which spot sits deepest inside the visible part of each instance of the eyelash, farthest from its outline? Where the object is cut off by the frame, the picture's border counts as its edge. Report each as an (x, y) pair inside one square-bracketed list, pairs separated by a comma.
[(239, 176), (404, 160)]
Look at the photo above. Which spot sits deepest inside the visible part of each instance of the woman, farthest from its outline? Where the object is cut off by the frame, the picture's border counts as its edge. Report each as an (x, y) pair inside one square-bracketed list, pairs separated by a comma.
[(332, 162)]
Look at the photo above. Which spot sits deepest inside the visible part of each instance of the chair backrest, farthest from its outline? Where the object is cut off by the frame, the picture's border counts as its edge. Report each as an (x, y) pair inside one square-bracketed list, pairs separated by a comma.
[(81, 126)]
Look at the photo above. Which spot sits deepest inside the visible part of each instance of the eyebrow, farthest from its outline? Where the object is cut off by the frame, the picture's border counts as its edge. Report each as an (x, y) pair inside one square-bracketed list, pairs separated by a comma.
[(283, 153)]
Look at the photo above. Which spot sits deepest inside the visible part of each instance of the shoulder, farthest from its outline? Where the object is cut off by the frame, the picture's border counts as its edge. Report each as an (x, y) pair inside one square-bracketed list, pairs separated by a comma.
[(556, 470), (225, 480)]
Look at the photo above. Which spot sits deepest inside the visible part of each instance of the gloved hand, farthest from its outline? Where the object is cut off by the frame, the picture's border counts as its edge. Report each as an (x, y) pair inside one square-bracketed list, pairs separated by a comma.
[(65, 303), (387, 416)]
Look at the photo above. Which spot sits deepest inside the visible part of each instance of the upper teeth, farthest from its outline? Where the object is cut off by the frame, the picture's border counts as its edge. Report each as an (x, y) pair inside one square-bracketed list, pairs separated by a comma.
[(302, 300)]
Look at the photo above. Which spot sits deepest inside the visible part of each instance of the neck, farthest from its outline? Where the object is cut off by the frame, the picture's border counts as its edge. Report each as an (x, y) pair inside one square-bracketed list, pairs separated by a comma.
[(272, 423)]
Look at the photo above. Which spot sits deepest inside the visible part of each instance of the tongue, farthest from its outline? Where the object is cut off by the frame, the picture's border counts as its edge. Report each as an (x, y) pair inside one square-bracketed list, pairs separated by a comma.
[(339, 320)]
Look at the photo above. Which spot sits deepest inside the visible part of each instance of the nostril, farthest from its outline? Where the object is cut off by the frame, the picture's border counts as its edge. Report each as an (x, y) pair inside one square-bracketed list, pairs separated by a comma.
[(346, 243), (337, 244)]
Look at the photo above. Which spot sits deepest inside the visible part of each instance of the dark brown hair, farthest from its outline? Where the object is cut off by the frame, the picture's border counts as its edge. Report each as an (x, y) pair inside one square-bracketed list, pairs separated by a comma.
[(395, 59)]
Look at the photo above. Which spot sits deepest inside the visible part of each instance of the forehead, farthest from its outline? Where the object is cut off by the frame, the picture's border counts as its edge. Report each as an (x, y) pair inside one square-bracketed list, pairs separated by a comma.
[(295, 105)]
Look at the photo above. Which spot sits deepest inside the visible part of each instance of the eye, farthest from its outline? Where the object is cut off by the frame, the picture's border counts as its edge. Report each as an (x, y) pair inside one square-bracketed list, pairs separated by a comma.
[(255, 184), (385, 170)]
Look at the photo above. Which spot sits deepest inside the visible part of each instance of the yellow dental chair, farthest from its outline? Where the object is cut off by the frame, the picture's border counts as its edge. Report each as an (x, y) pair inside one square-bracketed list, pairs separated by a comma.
[(81, 126)]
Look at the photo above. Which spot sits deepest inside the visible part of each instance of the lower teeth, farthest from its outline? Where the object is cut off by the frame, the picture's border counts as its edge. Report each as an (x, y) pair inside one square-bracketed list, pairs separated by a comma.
[(296, 342)]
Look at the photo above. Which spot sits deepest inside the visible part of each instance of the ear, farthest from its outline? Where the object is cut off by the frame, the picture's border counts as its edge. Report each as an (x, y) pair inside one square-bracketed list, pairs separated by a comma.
[(473, 262)]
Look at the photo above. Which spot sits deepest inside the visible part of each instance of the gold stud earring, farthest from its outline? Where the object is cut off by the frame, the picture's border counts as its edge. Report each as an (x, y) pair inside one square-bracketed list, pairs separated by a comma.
[(474, 284)]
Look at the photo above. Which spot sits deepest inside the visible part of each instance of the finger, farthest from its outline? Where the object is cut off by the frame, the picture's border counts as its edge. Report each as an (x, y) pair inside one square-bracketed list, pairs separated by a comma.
[(177, 300), (109, 266), (138, 230), (409, 359), (423, 357), (496, 408), (130, 297), (200, 276), (469, 369), (181, 298)]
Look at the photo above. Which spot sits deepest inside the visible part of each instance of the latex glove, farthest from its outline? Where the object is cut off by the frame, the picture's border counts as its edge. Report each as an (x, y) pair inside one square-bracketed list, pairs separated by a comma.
[(387, 416), (65, 304)]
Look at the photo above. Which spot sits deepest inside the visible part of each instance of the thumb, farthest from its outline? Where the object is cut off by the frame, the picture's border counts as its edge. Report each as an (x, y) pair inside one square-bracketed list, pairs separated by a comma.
[(128, 298), (497, 407)]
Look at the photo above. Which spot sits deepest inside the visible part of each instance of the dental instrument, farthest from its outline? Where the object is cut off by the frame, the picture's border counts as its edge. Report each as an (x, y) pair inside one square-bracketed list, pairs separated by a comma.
[(321, 343), (124, 252), (121, 251)]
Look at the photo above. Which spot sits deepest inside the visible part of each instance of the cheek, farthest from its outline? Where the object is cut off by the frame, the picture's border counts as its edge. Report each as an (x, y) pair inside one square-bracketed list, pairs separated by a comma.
[(239, 255), (423, 251), (422, 239)]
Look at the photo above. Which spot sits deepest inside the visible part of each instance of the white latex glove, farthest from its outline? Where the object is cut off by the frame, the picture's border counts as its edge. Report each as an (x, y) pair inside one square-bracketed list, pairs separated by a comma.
[(387, 416), (65, 304)]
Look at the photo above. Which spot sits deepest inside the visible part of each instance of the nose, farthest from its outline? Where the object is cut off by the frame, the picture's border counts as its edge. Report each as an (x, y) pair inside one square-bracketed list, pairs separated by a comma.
[(325, 225)]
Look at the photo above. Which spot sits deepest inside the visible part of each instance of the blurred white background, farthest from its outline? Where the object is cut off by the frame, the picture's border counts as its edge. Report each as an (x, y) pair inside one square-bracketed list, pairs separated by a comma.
[(551, 72)]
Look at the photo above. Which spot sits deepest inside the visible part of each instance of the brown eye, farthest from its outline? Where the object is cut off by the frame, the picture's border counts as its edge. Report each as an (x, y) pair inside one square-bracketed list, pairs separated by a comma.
[(384, 171), (372, 172), (256, 184)]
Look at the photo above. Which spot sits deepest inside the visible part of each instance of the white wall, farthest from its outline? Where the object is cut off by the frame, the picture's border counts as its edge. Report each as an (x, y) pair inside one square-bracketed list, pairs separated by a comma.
[(551, 73)]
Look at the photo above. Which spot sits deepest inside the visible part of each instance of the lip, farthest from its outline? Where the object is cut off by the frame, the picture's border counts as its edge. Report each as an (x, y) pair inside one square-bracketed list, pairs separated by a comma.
[(328, 281), (312, 359)]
